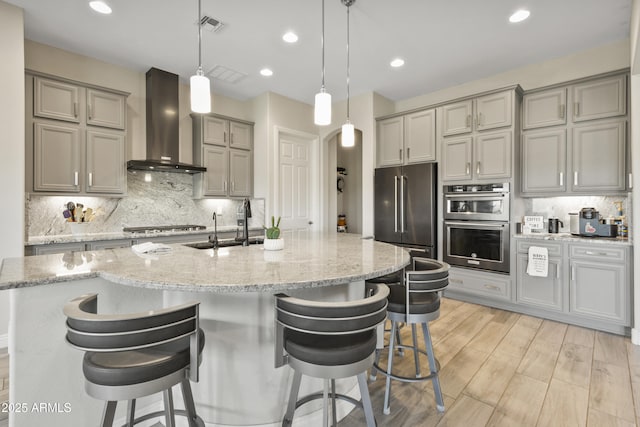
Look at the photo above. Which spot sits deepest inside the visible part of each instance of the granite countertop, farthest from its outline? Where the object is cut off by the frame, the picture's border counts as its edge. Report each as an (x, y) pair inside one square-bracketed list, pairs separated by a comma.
[(92, 237), (567, 237), (308, 260)]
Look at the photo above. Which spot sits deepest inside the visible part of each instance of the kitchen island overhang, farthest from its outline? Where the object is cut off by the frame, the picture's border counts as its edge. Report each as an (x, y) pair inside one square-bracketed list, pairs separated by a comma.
[(239, 384)]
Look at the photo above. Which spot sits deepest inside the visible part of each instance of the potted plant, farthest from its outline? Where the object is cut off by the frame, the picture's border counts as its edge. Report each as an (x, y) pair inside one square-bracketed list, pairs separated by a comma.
[(272, 240)]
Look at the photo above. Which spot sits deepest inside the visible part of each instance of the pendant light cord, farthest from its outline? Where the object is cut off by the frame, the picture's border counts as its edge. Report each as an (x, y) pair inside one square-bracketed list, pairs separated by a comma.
[(322, 42), (348, 7), (199, 38)]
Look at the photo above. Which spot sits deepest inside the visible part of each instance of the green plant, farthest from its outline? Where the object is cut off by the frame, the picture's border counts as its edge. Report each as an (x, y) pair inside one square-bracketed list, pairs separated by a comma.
[(273, 232)]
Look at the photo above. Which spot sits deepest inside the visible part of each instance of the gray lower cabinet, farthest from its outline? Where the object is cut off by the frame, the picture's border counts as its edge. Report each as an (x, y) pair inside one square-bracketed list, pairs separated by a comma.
[(55, 248), (545, 292), (478, 283)]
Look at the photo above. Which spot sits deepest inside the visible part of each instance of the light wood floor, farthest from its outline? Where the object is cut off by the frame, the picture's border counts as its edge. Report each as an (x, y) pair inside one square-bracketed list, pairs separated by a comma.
[(504, 369)]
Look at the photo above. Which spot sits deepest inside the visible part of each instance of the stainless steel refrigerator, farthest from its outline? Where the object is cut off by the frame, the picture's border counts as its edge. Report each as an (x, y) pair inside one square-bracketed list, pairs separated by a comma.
[(405, 206)]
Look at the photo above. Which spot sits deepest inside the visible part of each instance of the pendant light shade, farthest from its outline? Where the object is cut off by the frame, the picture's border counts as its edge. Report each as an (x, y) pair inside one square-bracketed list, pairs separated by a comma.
[(200, 86), (348, 131), (322, 109)]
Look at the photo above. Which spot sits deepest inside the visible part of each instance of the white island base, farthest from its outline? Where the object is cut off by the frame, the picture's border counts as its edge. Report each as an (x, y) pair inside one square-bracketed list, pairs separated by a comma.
[(238, 382)]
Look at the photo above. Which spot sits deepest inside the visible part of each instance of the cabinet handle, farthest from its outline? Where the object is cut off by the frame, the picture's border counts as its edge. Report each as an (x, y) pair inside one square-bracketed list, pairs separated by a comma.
[(630, 181), (225, 186), (90, 179), (478, 168), (468, 120), (575, 178), (573, 273), (480, 119), (561, 179), (75, 178), (408, 153), (224, 136), (596, 253), (558, 271), (233, 186), (400, 151), (468, 168), (576, 109), (75, 109), (561, 111), (458, 281), (230, 138), (492, 287), (89, 108)]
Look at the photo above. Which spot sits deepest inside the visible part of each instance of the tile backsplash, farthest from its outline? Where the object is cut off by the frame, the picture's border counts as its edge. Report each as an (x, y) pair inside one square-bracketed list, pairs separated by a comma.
[(153, 198)]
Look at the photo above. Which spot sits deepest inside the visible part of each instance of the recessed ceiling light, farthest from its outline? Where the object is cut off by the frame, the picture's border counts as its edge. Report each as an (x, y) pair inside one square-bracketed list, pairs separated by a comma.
[(519, 15), (100, 7), (290, 37), (266, 72), (397, 62)]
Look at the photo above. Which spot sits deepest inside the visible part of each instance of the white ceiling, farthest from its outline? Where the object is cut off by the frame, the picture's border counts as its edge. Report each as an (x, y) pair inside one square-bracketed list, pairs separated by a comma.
[(444, 42)]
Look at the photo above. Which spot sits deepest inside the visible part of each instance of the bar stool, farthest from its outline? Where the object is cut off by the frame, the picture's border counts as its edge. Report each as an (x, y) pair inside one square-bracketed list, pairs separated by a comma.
[(129, 356), (329, 340), (421, 289)]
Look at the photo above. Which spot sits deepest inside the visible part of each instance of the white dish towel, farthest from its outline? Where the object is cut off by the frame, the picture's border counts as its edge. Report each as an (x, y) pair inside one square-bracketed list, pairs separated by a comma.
[(150, 248), (538, 261)]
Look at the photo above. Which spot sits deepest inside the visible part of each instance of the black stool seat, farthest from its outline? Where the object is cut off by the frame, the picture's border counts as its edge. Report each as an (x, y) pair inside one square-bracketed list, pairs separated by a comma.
[(420, 303), (138, 366), (330, 350)]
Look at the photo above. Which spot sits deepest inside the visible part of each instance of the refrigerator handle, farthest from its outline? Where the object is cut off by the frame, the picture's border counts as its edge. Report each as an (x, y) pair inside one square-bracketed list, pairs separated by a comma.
[(395, 203), (403, 178)]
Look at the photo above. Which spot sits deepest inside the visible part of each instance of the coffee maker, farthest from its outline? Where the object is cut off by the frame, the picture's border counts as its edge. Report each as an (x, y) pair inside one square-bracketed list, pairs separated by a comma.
[(590, 224)]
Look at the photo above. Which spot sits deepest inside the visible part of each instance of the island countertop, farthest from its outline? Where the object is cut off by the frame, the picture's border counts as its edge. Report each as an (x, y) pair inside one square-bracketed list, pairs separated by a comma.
[(308, 260)]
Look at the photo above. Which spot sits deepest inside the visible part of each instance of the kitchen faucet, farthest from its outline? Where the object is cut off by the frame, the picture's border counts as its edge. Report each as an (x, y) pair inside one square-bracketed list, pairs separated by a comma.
[(215, 232), (247, 214)]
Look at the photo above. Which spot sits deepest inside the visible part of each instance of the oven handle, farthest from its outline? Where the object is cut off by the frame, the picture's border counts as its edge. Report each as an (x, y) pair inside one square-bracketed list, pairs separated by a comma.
[(477, 224), (471, 196)]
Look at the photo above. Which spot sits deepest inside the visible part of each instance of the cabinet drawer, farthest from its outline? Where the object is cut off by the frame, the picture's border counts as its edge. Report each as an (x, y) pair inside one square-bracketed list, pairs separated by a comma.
[(478, 283), (598, 253), (555, 249)]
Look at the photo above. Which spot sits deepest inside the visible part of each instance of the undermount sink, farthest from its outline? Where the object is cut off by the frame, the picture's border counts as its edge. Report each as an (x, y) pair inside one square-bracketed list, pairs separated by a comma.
[(222, 243)]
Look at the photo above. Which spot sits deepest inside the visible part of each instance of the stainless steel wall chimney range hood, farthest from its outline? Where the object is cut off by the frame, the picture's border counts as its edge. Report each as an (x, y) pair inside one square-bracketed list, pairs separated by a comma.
[(162, 126)]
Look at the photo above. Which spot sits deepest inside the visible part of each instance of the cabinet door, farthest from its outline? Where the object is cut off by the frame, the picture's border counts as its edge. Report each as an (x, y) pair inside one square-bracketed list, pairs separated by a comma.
[(56, 163), (599, 99), (493, 155), (457, 118), (214, 131), (494, 111), (108, 244), (105, 162), (456, 156), (216, 160), (598, 157), (544, 161), (56, 100), (240, 174), (240, 135), (600, 291), (105, 109), (420, 137), (59, 248), (545, 292), (390, 141), (547, 108)]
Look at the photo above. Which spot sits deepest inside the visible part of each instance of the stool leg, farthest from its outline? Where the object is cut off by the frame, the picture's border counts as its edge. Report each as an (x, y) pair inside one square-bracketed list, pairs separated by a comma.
[(374, 371), (108, 413), (434, 368), (387, 391), (325, 404), (416, 359), (189, 404), (293, 398), (333, 402), (399, 340), (168, 408), (366, 400), (131, 412)]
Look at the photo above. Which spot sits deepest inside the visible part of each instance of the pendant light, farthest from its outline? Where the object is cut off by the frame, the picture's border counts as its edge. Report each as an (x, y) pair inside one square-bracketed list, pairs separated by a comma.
[(348, 131), (200, 88), (322, 110)]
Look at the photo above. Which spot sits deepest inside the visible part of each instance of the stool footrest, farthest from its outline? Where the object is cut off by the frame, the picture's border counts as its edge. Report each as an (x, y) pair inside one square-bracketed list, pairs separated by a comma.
[(314, 396), (157, 414), (403, 378)]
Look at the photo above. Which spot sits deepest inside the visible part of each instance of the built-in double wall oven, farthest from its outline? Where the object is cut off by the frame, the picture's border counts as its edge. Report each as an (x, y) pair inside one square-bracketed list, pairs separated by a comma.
[(476, 226)]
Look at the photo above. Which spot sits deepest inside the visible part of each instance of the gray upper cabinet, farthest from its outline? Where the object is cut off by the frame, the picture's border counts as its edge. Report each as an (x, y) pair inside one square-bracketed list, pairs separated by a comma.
[(457, 118), (56, 100), (407, 139), (586, 154), (225, 147), (544, 170), (105, 109), (485, 112), (457, 159), (546, 108), (69, 149), (600, 99), (487, 156)]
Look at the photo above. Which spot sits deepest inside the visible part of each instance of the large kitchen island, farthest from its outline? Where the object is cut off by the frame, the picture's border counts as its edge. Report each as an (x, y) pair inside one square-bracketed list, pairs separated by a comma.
[(236, 285)]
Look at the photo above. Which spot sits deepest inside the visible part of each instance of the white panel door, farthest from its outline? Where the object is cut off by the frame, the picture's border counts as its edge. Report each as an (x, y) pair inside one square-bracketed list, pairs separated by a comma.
[(295, 183)]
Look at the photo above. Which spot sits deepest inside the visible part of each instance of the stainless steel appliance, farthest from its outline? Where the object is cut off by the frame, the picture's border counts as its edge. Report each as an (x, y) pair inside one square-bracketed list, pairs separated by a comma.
[(405, 206), (476, 226)]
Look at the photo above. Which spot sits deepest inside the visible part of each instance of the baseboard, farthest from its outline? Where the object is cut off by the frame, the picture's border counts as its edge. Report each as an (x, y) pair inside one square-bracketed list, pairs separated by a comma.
[(4, 341), (635, 336)]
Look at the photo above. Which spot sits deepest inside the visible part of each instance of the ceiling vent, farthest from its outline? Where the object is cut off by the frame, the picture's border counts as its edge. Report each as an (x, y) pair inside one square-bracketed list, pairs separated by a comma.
[(225, 74), (211, 24)]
